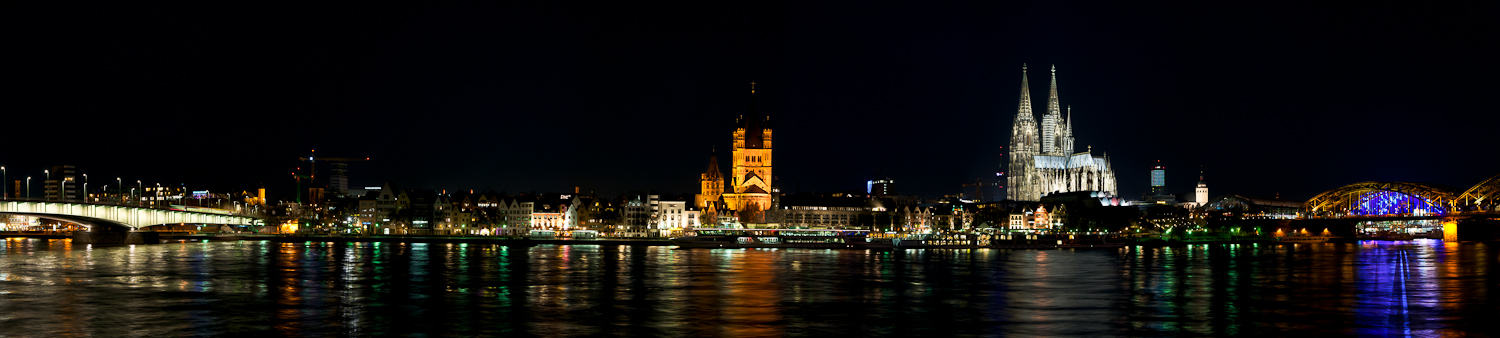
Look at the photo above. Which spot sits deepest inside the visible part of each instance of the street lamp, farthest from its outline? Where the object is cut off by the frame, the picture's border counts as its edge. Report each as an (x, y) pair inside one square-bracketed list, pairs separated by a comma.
[(138, 198), (28, 186), (85, 188), (49, 178), (121, 194), (5, 175)]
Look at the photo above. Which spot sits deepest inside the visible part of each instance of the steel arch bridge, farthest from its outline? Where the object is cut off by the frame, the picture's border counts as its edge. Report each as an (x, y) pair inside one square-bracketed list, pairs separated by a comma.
[(1383, 198), (114, 215), (1483, 196)]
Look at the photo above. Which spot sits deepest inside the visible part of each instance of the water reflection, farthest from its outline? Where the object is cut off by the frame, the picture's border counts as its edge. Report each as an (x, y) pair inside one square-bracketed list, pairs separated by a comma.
[(1420, 288)]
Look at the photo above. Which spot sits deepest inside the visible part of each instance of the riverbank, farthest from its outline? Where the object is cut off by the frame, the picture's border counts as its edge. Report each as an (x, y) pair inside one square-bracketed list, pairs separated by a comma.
[(418, 239)]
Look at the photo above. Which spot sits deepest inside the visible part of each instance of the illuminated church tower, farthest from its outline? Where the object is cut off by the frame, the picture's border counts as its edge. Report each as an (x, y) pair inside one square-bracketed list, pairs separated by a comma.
[(1023, 146), (750, 181)]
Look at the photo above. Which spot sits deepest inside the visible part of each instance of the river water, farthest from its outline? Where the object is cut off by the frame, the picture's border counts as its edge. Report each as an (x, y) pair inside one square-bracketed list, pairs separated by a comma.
[(50, 288)]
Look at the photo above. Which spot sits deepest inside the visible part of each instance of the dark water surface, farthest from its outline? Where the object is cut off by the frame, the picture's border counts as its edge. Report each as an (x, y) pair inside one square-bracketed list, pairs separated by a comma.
[(1425, 288)]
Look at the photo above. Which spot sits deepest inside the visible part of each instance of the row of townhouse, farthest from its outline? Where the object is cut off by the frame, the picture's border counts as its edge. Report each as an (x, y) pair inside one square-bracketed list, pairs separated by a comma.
[(390, 210)]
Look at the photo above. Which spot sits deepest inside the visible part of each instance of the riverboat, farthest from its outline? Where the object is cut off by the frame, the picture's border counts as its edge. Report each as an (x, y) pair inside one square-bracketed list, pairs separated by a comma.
[(940, 241), (782, 238)]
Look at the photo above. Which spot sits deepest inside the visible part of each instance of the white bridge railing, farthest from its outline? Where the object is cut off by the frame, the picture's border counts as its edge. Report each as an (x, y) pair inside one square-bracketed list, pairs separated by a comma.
[(129, 216)]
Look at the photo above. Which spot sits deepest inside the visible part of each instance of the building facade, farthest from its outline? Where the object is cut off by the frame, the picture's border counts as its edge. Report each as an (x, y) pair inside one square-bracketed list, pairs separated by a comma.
[(62, 184), (1042, 160)]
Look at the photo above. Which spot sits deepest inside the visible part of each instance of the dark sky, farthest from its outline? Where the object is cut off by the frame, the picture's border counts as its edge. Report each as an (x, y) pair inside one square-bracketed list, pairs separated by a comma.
[(1266, 99)]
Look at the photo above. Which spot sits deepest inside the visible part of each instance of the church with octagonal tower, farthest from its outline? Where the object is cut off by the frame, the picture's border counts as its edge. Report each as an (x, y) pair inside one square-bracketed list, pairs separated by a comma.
[(750, 192)]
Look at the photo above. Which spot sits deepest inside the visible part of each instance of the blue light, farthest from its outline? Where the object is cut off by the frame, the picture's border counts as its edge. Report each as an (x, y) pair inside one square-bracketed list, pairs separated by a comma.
[(1391, 202)]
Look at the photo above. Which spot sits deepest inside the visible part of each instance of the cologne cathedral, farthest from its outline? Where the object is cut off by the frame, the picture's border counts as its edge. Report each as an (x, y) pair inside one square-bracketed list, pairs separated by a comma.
[(1042, 161)]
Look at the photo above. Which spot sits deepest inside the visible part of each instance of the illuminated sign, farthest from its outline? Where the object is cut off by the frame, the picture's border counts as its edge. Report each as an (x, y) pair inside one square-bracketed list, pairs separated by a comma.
[(200, 194)]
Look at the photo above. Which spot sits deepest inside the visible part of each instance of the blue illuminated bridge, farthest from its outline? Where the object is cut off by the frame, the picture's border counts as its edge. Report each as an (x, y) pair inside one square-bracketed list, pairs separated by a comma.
[(1404, 199), (97, 216)]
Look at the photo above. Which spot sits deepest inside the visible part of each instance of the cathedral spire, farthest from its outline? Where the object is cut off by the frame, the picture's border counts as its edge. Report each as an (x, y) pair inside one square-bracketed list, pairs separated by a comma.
[(1024, 112), (1069, 122), (1052, 102)]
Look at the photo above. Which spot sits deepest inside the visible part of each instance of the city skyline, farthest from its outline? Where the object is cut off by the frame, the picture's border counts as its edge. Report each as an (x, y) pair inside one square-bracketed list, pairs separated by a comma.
[(546, 99)]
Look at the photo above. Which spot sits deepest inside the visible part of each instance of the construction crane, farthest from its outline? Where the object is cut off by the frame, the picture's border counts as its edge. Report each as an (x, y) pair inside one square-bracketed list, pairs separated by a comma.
[(297, 175), (979, 185)]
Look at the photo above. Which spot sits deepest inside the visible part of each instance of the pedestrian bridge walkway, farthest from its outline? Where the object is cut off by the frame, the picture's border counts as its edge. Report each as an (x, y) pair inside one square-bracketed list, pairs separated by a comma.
[(116, 215)]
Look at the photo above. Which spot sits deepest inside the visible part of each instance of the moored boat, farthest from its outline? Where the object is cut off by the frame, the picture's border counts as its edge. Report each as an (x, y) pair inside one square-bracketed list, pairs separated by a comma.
[(782, 238)]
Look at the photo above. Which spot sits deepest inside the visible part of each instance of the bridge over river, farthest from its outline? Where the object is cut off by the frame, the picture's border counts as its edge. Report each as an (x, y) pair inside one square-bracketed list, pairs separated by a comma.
[(1474, 209), (107, 223)]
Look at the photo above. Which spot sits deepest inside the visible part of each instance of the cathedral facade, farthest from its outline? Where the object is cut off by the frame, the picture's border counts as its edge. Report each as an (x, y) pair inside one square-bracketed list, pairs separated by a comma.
[(1042, 158)]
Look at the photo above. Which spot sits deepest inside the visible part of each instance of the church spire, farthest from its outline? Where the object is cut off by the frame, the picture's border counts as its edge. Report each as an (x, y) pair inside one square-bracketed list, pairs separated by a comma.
[(754, 124), (1024, 112), (1052, 102), (713, 168), (1069, 122)]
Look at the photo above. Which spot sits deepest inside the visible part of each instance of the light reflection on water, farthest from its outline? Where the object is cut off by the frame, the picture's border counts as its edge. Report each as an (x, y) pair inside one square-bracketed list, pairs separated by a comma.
[(1422, 288)]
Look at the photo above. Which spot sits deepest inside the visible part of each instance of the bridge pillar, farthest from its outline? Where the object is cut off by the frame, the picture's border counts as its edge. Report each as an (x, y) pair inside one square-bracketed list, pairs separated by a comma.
[(1471, 229), (116, 236)]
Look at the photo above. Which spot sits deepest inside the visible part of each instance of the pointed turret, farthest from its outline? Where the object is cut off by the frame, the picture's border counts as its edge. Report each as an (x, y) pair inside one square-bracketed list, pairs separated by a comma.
[(713, 168), (1068, 122)]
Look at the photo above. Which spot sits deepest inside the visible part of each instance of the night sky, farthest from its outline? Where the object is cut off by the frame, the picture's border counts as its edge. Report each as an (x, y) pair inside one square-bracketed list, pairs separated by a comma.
[(1289, 100)]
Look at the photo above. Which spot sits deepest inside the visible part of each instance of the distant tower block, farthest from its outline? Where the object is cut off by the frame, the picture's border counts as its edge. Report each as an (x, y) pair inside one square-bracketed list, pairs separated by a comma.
[(1158, 179), (338, 177)]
